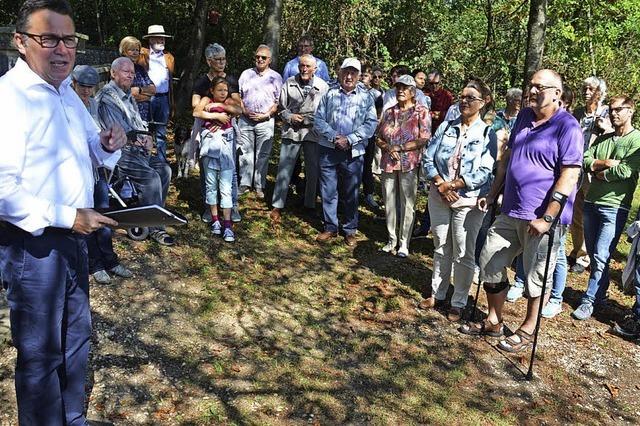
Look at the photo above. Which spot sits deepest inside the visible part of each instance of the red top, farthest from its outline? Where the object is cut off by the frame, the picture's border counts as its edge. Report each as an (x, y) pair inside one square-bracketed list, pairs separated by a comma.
[(441, 100)]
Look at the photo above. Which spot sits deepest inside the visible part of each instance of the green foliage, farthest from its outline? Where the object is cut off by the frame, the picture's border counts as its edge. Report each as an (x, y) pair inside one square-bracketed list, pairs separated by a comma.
[(485, 38)]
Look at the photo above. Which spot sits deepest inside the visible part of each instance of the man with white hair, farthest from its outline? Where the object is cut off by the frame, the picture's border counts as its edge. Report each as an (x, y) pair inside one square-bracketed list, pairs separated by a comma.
[(161, 67), (594, 121), (259, 88), (298, 102), (345, 120), (149, 173)]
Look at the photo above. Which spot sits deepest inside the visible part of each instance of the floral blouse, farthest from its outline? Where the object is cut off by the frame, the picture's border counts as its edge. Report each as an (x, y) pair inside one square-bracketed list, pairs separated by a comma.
[(398, 127)]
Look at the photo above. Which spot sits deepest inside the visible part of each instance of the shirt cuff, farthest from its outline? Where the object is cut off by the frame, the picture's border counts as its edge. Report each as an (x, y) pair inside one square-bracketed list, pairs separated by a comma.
[(61, 216), (353, 139)]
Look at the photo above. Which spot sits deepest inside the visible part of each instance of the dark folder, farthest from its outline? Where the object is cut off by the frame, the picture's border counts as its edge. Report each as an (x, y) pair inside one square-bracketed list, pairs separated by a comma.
[(145, 216)]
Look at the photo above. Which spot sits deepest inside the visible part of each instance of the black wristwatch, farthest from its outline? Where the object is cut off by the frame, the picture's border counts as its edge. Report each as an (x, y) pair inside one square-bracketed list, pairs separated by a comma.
[(548, 218)]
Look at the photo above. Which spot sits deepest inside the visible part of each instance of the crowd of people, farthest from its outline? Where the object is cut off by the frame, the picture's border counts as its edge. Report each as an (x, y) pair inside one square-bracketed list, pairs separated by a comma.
[(502, 185)]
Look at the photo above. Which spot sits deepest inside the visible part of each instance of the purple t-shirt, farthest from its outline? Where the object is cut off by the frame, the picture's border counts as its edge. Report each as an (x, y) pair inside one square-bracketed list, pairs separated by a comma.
[(537, 154), (260, 91)]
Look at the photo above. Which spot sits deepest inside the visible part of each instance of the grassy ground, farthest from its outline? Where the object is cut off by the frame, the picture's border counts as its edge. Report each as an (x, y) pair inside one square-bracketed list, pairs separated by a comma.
[(276, 329)]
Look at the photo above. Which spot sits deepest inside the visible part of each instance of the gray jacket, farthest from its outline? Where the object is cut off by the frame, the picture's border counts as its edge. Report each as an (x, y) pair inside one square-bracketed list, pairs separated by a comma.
[(292, 101)]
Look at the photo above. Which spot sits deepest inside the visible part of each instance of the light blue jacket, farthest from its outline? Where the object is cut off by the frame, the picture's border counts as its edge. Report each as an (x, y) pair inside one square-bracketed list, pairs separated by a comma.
[(360, 118), (478, 155)]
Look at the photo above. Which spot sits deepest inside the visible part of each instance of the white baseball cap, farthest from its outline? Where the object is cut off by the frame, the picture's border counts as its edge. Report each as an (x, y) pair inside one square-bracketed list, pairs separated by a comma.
[(351, 63)]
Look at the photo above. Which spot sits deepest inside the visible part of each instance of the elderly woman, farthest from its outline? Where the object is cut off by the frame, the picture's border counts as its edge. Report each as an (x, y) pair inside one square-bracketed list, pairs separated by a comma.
[(142, 87), (459, 163), (402, 133)]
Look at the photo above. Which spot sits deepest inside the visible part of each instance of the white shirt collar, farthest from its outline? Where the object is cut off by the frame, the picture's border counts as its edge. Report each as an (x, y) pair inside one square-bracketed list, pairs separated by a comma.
[(26, 77)]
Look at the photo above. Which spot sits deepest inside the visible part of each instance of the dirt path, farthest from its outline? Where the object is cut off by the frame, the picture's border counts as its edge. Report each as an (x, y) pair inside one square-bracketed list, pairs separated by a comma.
[(275, 329)]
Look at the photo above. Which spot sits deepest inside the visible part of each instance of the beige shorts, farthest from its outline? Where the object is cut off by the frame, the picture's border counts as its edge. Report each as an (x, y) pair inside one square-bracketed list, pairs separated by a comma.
[(506, 239)]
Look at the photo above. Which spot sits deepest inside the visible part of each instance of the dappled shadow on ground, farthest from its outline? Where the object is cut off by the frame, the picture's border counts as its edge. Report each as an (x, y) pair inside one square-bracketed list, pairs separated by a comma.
[(276, 329)]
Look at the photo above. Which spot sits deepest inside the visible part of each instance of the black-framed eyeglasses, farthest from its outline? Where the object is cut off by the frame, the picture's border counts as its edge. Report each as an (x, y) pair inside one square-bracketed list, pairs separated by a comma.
[(469, 99), (224, 59), (264, 58), (50, 41), (618, 110), (541, 87)]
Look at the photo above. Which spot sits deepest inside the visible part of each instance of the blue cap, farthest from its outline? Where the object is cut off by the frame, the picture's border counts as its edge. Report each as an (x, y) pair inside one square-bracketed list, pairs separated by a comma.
[(85, 75)]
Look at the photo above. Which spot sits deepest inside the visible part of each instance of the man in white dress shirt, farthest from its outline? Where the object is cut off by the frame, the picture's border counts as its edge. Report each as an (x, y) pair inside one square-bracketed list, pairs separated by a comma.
[(161, 66), (46, 198)]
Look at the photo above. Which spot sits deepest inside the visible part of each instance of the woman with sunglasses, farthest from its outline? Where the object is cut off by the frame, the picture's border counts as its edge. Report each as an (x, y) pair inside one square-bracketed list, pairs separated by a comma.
[(459, 162)]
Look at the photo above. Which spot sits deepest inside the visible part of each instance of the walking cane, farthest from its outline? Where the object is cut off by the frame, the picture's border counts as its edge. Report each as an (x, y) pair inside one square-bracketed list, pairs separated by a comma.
[(551, 233)]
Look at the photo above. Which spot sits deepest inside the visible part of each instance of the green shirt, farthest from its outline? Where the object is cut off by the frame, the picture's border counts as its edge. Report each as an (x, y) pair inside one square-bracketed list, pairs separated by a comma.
[(620, 181)]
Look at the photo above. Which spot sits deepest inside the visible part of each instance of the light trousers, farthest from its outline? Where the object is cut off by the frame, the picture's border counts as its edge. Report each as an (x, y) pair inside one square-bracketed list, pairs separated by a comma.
[(255, 143), (289, 153), (399, 194), (454, 233)]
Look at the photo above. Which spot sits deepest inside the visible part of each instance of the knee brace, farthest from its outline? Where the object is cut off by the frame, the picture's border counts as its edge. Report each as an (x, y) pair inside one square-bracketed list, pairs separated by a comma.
[(495, 288)]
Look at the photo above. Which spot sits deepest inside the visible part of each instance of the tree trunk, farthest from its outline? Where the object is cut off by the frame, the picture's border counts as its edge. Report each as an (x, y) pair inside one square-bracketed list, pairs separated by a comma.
[(193, 59), (271, 30), (535, 38)]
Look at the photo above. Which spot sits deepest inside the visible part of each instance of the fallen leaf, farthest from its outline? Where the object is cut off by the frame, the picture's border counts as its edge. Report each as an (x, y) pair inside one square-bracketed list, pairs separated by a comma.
[(523, 361), (613, 389)]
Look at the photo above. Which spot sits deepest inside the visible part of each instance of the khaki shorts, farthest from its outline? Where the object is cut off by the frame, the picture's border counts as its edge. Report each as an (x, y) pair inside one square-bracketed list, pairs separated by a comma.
[(507, 238)]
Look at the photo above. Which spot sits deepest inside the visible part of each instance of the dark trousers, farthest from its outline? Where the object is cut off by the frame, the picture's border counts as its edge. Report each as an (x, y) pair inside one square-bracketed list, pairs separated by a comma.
[(100, 244), (48, 292), (368, 183), (339, 174), (160, 110)]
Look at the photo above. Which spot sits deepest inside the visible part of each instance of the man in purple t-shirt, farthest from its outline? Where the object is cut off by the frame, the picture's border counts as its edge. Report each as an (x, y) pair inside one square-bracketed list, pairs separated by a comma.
[(540, 170)]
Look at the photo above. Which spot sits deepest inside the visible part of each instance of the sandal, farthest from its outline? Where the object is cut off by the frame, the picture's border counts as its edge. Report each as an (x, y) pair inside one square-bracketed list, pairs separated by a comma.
[(161, 237), (517, 342), (484, 328)]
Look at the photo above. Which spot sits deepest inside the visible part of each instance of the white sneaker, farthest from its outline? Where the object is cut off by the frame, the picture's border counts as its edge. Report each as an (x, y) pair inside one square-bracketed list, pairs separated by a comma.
[(403, 252), (389, 248), (514, 293), (229, 236), (101, 277), (216, 228), (552, 308)]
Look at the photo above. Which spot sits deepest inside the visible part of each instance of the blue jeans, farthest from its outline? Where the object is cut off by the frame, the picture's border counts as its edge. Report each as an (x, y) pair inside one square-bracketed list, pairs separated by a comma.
[(160, 110), (602, 228), (218, 182), (100, 244), (559, 274), (47, 281), (340, 173)]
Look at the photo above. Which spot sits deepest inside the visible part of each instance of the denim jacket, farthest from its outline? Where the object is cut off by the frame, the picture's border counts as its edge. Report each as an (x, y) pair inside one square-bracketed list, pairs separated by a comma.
[(358, 119), (478, 155)]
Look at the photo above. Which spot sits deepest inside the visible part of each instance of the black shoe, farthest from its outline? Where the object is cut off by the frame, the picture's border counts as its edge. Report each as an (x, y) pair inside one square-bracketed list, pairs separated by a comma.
[(420, 232), (577, 268), (629, 328)]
